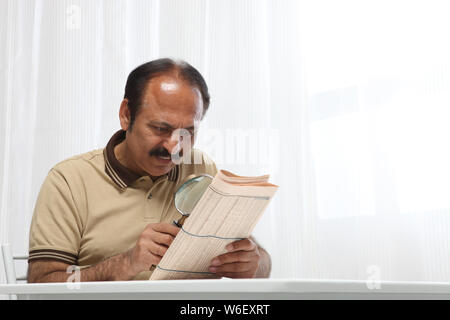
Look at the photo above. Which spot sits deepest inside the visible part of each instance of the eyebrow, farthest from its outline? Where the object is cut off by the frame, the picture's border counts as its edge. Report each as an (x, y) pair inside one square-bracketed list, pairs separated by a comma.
[(165, 124)]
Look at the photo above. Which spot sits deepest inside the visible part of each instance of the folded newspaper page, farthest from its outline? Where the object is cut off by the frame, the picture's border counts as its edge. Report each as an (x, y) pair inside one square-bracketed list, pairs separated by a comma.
[(228, 211)]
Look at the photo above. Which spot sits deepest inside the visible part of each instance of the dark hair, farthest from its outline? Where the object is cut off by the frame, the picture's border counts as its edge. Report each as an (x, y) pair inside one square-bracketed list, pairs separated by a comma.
[(139, 77)]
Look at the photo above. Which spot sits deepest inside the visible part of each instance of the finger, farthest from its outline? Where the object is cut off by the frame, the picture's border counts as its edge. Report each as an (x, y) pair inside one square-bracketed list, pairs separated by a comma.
[(165, 227), (148, 252), (237, 267), (162, 238), (156, 260), (245, 245), (231, 257), (157, 249)]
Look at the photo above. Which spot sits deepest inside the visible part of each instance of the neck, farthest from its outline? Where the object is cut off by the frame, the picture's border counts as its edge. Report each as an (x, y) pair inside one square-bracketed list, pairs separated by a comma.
[(121, 151)]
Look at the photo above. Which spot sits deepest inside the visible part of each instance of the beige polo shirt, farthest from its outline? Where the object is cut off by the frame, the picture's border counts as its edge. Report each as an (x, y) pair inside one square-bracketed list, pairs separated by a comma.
[(90, 207)]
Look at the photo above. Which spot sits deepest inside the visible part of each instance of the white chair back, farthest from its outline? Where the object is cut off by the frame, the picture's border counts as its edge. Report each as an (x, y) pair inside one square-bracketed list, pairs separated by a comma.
[(8, 261)]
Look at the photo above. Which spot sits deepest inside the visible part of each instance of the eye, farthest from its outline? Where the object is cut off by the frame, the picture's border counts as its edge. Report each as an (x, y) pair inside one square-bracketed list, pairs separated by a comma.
[(159, 129)]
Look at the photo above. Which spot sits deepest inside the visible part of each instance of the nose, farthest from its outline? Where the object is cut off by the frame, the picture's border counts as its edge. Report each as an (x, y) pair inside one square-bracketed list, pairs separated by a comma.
[(172, 144), (180, 139)]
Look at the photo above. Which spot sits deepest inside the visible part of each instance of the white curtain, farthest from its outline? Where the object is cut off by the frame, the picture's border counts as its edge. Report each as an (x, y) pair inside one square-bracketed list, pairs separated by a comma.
[(344, 103)]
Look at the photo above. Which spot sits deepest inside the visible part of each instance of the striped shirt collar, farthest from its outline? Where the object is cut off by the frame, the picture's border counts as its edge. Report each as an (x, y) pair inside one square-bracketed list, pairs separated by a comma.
[(121, 175)]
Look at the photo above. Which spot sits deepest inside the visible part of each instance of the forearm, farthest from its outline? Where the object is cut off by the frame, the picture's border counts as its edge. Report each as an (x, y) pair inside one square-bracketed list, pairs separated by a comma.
[(114, 268), (265, 264)]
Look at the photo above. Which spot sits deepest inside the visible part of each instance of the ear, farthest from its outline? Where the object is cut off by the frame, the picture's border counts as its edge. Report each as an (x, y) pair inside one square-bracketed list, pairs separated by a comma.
[(124, 115)]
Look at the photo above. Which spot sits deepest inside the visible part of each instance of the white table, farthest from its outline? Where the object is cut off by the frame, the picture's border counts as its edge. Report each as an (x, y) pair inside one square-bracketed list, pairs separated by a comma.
[(250, 289)]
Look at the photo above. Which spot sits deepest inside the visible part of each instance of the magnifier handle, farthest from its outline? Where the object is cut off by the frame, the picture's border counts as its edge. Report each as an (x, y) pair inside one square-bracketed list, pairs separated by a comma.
[(177, 224), (180, 221)]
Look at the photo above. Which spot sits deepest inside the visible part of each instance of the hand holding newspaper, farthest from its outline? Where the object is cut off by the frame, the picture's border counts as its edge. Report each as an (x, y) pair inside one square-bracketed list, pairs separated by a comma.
[(227, 211)]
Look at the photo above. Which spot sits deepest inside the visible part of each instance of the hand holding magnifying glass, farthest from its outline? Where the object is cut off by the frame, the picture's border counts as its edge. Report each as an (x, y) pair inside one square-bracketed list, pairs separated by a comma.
[(187, 196)]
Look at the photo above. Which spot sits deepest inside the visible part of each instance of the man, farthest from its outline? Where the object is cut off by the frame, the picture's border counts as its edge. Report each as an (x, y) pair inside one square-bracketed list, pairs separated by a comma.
[(110, 211)]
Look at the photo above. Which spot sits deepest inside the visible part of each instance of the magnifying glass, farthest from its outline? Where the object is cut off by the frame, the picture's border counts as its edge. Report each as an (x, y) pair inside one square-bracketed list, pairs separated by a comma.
[(188, 194)]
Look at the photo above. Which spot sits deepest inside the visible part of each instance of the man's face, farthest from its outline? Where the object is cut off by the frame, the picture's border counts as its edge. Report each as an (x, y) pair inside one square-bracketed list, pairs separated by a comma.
[(168, 104)]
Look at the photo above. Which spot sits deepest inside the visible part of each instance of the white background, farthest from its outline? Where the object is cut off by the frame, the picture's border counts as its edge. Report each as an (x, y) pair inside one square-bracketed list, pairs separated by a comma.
[(344, 103)]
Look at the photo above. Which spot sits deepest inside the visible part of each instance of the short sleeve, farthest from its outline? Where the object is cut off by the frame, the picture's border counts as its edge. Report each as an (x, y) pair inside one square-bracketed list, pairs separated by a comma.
[(56, 226)]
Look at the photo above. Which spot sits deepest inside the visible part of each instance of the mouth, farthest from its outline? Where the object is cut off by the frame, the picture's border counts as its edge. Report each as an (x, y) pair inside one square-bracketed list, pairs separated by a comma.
[(164, 159)]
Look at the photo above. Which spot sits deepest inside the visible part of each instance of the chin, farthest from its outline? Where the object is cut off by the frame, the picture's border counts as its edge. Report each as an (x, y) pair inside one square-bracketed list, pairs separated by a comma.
[(158, 170)]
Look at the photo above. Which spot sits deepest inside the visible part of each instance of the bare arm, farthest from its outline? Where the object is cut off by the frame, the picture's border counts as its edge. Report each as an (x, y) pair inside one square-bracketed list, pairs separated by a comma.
[(149, 250), (114, 268)]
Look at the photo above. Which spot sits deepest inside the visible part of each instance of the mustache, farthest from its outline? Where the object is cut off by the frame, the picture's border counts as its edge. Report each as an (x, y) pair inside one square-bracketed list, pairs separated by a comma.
[(162, 152)]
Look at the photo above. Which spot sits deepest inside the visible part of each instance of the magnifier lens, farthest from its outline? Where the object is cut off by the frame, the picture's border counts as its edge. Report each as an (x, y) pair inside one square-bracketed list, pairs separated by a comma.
[(189, 194)]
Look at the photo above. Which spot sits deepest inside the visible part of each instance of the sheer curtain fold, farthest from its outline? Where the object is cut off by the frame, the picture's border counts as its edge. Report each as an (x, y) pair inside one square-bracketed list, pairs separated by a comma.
[(19, 90), (289, 114)]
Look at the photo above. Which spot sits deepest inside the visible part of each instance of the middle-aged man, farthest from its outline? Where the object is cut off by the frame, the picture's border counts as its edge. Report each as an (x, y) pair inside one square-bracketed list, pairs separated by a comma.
[(110, 211)]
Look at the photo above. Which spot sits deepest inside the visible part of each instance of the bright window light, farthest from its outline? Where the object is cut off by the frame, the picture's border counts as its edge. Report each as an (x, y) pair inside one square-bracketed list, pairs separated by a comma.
[(377, 75)]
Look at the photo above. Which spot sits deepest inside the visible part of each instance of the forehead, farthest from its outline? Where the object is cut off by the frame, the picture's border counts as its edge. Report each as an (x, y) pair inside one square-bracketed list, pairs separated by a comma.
[(170, 99)]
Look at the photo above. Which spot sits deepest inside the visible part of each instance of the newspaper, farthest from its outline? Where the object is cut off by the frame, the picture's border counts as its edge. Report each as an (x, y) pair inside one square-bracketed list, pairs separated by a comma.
[(228, 211)]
